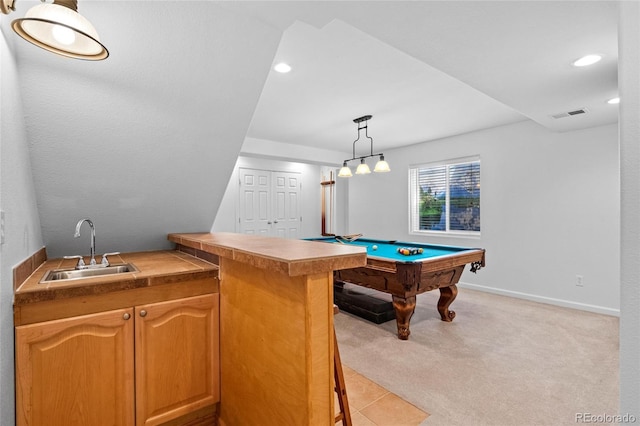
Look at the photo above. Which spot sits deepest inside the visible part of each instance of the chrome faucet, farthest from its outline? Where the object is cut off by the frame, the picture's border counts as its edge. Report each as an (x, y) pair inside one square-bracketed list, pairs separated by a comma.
[(93, 238), (92, 263)]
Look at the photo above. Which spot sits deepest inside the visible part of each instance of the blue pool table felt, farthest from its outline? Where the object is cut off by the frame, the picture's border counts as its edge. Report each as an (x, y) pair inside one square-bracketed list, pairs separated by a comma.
[(389, 250)]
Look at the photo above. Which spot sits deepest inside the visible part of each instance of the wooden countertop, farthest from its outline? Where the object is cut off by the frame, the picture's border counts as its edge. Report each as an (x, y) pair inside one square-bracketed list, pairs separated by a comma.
[(155, 267), (291, 257)]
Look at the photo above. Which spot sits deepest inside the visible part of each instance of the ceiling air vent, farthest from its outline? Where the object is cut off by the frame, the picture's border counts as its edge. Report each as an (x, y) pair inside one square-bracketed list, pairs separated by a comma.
[(570, 113)]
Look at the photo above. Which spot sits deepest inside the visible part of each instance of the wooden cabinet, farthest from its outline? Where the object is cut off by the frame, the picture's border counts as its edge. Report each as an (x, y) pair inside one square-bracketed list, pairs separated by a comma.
[(177, 358), (144, 365), (76, 371)]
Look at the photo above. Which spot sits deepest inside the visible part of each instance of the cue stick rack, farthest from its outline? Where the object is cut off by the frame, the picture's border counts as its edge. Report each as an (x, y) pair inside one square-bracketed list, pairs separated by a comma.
[(327, 185)]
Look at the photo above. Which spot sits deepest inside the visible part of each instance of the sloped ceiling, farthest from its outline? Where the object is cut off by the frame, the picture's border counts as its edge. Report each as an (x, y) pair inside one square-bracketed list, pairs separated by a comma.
[(333, 82), (144, 142), (431, 69)]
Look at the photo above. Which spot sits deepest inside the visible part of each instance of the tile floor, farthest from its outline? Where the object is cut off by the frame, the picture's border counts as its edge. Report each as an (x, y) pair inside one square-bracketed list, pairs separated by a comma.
[(372, 405)]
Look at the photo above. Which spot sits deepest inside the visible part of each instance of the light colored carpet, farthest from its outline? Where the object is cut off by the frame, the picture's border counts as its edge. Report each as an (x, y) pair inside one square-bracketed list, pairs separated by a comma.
[(502, 361)]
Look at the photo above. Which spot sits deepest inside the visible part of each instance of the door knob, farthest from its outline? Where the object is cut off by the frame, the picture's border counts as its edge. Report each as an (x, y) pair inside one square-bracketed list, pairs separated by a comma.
[(126, 316), (143, 313)]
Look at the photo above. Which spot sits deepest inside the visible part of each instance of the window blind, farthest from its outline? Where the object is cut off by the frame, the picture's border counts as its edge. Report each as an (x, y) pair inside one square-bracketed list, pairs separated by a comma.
[(445, 197)]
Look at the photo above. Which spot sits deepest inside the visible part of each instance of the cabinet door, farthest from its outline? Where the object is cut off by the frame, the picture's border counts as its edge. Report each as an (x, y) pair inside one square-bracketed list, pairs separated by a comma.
[(76, 371), (177, 358)]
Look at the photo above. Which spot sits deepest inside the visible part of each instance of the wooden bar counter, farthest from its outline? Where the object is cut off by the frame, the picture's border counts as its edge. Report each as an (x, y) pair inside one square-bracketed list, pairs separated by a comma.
[(276, 325)]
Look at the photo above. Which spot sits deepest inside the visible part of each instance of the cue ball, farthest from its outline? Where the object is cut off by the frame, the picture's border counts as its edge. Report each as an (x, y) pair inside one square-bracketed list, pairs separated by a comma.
[(374, 247)]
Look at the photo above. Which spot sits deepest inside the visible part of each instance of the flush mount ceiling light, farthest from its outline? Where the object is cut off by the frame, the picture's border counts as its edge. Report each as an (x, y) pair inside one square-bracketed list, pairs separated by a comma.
[(587, 60), (58, 28), (282, 68), (613, 101), (363, 169)]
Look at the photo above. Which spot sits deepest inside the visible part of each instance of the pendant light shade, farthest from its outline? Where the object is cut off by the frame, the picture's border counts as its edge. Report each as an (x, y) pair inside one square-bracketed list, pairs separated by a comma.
[(363, 168), (60, 29), (345, 171), (382, 166)]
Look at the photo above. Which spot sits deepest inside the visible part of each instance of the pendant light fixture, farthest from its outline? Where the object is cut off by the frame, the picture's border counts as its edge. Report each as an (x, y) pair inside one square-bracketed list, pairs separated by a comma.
[(58, 28), (363, 169)]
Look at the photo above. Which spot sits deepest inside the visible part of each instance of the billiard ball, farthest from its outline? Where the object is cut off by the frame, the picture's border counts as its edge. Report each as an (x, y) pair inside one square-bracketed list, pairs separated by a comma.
[(374, 247)]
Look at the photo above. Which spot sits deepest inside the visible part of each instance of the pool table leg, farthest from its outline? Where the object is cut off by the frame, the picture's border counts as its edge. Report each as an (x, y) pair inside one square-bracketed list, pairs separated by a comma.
[(447, 296), (404, 307)]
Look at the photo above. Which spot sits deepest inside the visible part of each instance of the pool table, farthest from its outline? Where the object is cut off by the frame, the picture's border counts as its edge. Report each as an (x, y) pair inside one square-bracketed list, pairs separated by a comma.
[(405, 276)]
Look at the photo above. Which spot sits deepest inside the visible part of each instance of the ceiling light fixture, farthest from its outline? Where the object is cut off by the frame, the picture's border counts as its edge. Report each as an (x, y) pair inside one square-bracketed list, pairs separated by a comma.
[(587, 60), (363, 169), (58, 28), (282, 68), (613, 101)]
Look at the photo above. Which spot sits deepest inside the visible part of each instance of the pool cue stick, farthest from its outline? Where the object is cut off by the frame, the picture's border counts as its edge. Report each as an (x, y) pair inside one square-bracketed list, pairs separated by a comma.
[(331, 202), (323, 228)]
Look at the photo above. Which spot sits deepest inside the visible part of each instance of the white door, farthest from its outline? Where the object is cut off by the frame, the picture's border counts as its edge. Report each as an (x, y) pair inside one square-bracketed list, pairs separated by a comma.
[(269, 203), (255, 191), (286, 212)]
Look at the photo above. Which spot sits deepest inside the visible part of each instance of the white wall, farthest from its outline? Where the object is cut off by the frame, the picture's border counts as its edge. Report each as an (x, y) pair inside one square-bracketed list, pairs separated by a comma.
[(549, 210), (629, 83), (22, 226), (310, 203)]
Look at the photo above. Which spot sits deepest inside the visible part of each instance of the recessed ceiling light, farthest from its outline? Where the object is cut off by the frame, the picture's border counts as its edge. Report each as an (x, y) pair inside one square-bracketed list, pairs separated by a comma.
[(587, 60), (614, 101), (282, 67)]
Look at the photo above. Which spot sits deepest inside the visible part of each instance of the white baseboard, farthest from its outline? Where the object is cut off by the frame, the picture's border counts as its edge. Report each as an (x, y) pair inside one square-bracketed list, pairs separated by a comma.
[(543, 299)]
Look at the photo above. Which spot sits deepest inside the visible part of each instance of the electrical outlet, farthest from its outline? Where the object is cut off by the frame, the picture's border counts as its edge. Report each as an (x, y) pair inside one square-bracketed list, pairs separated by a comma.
[(579, 282)]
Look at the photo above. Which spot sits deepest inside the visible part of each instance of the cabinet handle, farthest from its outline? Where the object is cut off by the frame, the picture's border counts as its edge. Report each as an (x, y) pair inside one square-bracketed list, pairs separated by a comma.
[(126, 316), (143, 313)]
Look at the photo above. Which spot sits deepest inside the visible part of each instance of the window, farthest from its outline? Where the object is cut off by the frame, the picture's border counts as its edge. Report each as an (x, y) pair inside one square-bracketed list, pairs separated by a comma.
[(445, 197)]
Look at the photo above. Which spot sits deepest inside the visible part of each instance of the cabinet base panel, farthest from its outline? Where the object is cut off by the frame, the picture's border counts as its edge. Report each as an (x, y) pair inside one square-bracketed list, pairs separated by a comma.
[(207, 416)]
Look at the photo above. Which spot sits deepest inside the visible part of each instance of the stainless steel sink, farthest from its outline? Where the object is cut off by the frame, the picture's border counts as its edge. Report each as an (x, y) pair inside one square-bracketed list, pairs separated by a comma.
[(76, 274)]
